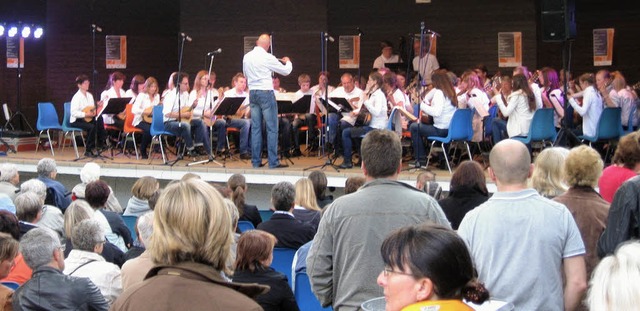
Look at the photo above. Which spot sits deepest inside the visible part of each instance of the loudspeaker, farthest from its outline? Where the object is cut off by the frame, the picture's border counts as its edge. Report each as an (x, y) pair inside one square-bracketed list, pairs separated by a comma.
[(558, 20)]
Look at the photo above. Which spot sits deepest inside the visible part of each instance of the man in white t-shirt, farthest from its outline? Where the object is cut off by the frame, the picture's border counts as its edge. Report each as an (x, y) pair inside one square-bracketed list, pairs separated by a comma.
[(426, 63), (387, 55), (354, 96)]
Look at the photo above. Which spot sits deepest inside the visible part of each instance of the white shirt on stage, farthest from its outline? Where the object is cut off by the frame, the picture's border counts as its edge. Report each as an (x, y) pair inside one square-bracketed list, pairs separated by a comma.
[(78, 103), (203, 102), (299, 94), (170, 104), (381, 60), (356, 92), (142, 102), (258, 66), (429, 65), (104, 97)]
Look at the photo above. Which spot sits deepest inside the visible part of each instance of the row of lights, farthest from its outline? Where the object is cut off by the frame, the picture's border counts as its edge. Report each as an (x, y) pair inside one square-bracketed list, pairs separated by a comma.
[(25, 32)]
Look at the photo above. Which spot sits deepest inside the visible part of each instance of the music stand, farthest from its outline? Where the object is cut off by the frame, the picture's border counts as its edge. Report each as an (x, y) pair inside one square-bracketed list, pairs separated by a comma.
[(228, 107), (112, 106)]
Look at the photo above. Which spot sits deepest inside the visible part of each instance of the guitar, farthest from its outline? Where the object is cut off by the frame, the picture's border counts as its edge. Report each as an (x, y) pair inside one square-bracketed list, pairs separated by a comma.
[(147, 114), (89, 109)]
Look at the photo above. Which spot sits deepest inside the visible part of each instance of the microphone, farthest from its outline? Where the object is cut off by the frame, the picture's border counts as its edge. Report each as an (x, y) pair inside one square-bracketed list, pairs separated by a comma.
[(328, 37), (96, 28), (185, 36), (360, 33), (433, 32), (218, 51)]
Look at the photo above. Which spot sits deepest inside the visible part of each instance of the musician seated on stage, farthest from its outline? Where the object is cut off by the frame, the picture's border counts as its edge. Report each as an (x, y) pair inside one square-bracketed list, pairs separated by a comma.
[(354, 96), (176, 106), (374, 103), (387, 55), (307, 119), (473, 96), (142, 109), (396, 98), (240, 120), (114, 90), (83, 115), (200, 99), (319, 93)]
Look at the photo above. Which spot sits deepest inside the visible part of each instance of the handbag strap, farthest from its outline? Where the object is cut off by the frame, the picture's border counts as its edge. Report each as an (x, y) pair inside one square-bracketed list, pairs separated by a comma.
[(82, 265)]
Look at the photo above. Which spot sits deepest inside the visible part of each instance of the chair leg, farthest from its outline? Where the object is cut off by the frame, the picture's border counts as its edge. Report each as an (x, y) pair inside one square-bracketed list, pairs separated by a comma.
[(429, 155), (50, 143), (469, 151), (38, 141), (164, 157), (135, 145), (446, 157)]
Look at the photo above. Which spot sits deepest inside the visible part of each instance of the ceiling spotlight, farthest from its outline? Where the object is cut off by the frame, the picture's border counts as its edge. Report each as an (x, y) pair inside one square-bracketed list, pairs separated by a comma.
[(1, 30), (26, 31), (38, 33), (13, 31)]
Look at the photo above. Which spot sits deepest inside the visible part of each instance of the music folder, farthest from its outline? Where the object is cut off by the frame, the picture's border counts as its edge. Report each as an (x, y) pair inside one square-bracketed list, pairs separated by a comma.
[(337, 105), (301, 106), (115, 105), (229, 106)]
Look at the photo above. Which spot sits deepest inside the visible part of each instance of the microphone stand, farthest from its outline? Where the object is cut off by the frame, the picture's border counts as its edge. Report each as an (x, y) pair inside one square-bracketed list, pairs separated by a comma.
[(179, 155), (323, 131)]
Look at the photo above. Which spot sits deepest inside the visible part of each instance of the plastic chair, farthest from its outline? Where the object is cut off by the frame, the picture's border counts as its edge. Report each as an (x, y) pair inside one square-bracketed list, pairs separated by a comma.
[(282, 261), (304, 296), (12, 285), (47, 121), (68, 129), (244, 225), (632, 115), (158, 132), (130, 221), (130, 130), (460, 129), (542, 128), (265, 214), (609, 126)]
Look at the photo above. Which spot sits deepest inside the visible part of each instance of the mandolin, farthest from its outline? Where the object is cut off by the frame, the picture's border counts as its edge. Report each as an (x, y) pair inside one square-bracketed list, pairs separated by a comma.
[(89, 109), (147, 114)]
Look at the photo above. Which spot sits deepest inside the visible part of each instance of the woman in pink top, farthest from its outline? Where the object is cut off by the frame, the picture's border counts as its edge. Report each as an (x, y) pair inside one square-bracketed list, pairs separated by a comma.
[(626, 164)]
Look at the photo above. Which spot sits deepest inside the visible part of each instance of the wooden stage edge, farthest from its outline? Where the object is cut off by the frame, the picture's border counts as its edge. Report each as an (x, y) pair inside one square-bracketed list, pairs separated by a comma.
[(126, 166)]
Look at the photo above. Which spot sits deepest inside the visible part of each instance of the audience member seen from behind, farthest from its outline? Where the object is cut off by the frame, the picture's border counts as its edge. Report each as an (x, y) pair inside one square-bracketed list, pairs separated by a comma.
[(428, 267), (353, 183), (51, 216), (8, 253), (134, 270), (49, 288), (9, 179), (319, 180), (253, 261), (582, 168), (614, 283), (20, 272), (116, 231), (190, 247), (468, 189), (47, 172), (626, 165), (548, 172), (290, 232), (85, 260), (623, 219), (306, 207), (238, 186), (426, 181), (91, 172), (141, 192), (28, 210)]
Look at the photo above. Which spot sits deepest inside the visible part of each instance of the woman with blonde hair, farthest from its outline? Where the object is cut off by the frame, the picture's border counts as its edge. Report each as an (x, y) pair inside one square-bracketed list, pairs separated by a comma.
[(614, 284), (190, 245), (8, 252), (306, 207), (237, 184), (548, 172), (141, 191), (141, 109)]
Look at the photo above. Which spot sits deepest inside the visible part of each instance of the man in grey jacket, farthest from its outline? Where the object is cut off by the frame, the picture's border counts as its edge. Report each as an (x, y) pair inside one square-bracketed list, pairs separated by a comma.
[(344, 261)]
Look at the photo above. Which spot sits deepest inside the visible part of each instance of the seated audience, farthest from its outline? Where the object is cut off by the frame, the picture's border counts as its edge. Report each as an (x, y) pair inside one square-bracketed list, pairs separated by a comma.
[(6, 203), (467, 190), (613, 286), (28, 210), (117, 232), (623, 220), (85, 260), (426, 182), (548, 172), (91, 172), (57, 194), (49, 288), (135, 269), (428, 267), (8, 252), (255, 254), (290, 232), (141, 191), (353, 183), (233, 212), (238, 186), (319, 180), (626, 165), (9, 180), (51, 216), (190, 247), (306, 207), (19, 272)]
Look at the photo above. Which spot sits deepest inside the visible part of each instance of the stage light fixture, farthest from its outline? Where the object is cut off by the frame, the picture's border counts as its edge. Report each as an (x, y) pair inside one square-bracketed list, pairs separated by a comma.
[(26, 31), (13, 31), (38, 33), (1, 30)]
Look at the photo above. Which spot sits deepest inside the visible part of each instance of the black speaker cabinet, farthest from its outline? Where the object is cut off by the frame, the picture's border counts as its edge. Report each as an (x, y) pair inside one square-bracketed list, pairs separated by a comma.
[(558, 20)]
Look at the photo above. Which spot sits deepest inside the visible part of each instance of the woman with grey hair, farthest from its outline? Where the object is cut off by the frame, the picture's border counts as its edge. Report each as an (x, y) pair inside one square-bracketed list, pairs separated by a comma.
[(89, 173), (47, 172), (9, 179), (28, 210), (51, 216), (85, 260)]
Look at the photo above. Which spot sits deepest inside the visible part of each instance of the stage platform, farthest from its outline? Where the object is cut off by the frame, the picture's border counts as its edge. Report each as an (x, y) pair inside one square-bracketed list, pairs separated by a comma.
[(126, 166)]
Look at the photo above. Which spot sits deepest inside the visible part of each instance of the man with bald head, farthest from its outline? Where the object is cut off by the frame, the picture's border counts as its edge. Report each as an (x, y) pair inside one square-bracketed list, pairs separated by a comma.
[(258, 66), (522, 242)]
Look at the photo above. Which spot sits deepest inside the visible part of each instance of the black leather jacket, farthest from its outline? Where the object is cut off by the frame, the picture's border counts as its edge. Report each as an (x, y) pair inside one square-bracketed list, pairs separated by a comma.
[(623, 223), (50, 289)]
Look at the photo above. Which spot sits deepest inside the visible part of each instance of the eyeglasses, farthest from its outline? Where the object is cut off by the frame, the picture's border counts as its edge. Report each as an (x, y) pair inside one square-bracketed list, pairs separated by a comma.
[(388, 270)]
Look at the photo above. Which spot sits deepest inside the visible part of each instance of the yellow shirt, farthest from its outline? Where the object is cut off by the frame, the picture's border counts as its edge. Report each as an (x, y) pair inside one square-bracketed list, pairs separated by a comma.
[(438, 305)]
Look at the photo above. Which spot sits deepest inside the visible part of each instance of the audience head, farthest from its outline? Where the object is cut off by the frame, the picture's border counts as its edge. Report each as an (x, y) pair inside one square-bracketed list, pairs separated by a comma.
[(40, 247), (304, 195), (144, 227), (255, 250), (628, 151), (90, 172), (427, 262), (469, 174), (191, 224), (283, 196), (88, 236), (510, 163), (36, 186), (423, 178), (76, 212), (614, 283), (153, 199), (233, 213), (97, 193), (548, 172), (29, 207), (9, 173), (190, 176), (47, 168), (353, 183), (9, 224), (381, 154), (145, 187), (8, 251), (319, 181), (582, 167), (237, 184)]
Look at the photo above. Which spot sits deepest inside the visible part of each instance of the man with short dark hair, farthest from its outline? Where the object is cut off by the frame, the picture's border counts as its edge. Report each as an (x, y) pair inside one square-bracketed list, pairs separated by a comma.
[(344, 261), (290, 232), (48, 288), (522, 242), (57, 194)]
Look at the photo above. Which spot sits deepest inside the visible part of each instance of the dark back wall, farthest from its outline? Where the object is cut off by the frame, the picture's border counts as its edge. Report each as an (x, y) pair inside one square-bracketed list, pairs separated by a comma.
[(469, 36)]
